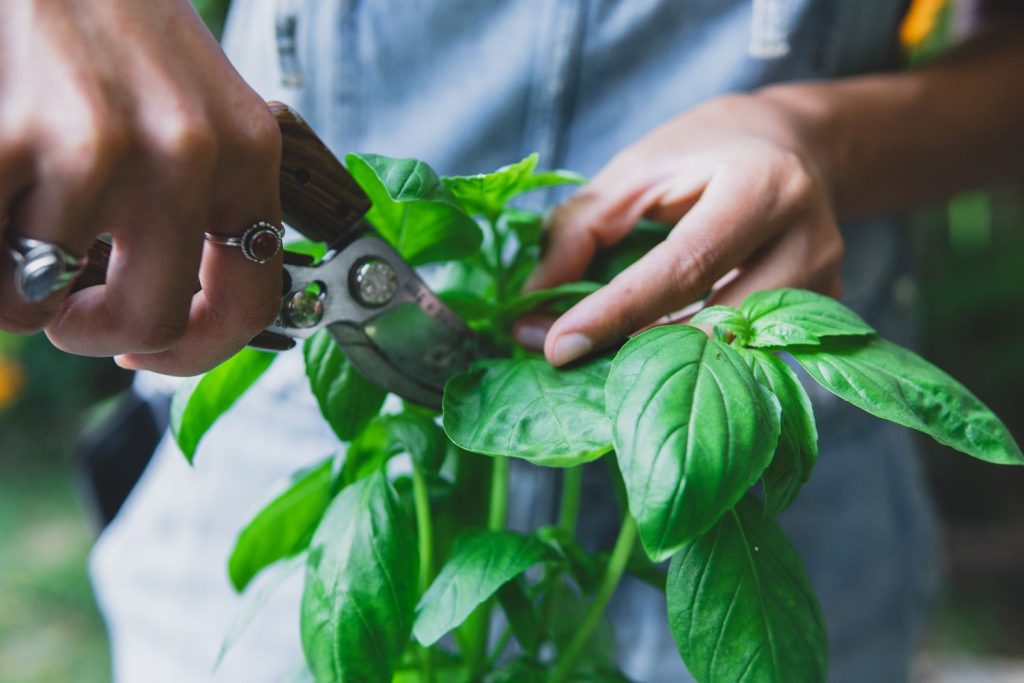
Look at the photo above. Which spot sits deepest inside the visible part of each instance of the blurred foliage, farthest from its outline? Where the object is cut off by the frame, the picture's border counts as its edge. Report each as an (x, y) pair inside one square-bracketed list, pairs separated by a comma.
[(44, 394), (50, 629), (969, 257), (924, 32)]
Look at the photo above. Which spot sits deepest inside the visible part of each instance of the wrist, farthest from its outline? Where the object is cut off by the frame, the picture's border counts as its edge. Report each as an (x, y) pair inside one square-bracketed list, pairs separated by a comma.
[(811, 127)]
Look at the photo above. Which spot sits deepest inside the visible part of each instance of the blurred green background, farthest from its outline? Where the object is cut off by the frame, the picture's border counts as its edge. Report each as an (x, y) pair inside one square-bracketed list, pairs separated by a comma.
[(970, 291)]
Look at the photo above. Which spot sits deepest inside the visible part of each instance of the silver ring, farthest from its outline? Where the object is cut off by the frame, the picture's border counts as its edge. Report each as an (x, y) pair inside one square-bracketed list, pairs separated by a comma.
[(41, 268), (260, 242)]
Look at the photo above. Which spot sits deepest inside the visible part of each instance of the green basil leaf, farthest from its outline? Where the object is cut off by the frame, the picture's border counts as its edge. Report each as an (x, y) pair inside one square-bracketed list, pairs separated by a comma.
[(412, 209), (486, 194), (284, 526), (347, 400), (315, 250), (416, 434), (741, 606), (478, 566), (788, 317), (798, 441), (420, 437), (527, 226), (895, 384), (528, 409), (583, 567), (610, 261), (693, 431), (202, 400), (570, 292), (519, 670), (522, 614), (360, 595), (732, 319), (567, 612), (366, 454), (467, 305)]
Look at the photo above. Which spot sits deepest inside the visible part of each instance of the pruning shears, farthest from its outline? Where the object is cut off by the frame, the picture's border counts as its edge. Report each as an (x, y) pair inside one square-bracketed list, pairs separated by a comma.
[(386, 320)]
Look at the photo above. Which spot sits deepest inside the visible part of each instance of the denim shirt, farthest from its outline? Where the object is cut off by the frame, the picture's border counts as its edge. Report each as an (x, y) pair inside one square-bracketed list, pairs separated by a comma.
[(470, 85)]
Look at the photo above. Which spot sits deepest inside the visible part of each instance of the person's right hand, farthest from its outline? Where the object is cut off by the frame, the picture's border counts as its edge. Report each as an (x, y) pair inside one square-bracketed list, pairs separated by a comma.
[(123, 117)]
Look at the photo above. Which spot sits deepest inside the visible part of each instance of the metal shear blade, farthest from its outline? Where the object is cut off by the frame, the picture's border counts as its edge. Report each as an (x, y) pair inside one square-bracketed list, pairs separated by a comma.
[(386, 320)]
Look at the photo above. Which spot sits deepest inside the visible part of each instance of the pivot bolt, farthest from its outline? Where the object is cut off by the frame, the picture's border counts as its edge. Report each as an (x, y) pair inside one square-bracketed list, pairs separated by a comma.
[(306, 308), (374, 282)]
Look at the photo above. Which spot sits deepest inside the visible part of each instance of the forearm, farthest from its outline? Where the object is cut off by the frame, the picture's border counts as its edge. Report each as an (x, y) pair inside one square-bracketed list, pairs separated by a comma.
[(890, 141)]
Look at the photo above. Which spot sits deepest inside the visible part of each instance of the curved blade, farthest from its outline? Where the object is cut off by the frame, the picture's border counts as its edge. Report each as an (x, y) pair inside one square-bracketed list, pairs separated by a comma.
[(410, 345)]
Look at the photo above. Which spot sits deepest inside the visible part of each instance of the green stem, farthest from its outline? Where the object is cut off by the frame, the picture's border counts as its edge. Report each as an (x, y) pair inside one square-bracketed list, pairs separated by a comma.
[(497, 249), (592, 618), (568, 513), (425, 533), (498, 510), (496, 516), (572, 490)]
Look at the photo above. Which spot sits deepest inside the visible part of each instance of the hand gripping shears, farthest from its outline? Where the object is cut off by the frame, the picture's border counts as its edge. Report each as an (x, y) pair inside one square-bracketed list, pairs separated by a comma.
[(386, 320)]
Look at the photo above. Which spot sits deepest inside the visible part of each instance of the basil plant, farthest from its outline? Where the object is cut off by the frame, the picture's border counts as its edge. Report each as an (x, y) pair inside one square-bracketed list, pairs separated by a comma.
[(708, 439)]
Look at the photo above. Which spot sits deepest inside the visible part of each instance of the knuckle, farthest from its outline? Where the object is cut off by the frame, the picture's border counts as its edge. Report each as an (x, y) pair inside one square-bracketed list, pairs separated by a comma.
[(188, 140), (94, 146), (799, 184)]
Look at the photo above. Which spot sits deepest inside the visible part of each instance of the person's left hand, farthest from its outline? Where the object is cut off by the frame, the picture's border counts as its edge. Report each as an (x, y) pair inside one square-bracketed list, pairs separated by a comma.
[(745, 193)]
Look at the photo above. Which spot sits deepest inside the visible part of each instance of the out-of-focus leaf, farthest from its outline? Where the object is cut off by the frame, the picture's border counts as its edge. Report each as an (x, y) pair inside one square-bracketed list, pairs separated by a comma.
[(202, 400)]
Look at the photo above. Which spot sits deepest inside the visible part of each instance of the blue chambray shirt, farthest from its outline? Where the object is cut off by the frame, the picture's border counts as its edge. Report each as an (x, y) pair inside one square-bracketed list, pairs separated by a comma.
[(470, 85)]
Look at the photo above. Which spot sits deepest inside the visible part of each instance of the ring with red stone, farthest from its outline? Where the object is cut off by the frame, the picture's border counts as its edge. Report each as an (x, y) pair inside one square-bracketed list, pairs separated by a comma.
[(260, 242)]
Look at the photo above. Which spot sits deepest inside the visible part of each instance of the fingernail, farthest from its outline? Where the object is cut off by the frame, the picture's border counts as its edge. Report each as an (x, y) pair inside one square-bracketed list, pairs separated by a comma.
[(531, 335), (569, 347)]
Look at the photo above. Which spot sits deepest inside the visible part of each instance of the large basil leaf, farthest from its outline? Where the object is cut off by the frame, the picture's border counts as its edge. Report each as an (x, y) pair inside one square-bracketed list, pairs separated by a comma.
[(413, 210), (486, 194), (787, 317), (528, 409), (347, 400), (284, 526), (360, 593), (693, 431), (478, 566), (741, 606), (202, 400), (798, 440), (895, 384)]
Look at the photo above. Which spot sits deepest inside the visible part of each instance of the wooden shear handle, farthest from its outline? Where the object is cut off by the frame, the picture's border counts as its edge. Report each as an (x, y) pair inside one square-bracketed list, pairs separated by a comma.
[(318, 196)]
